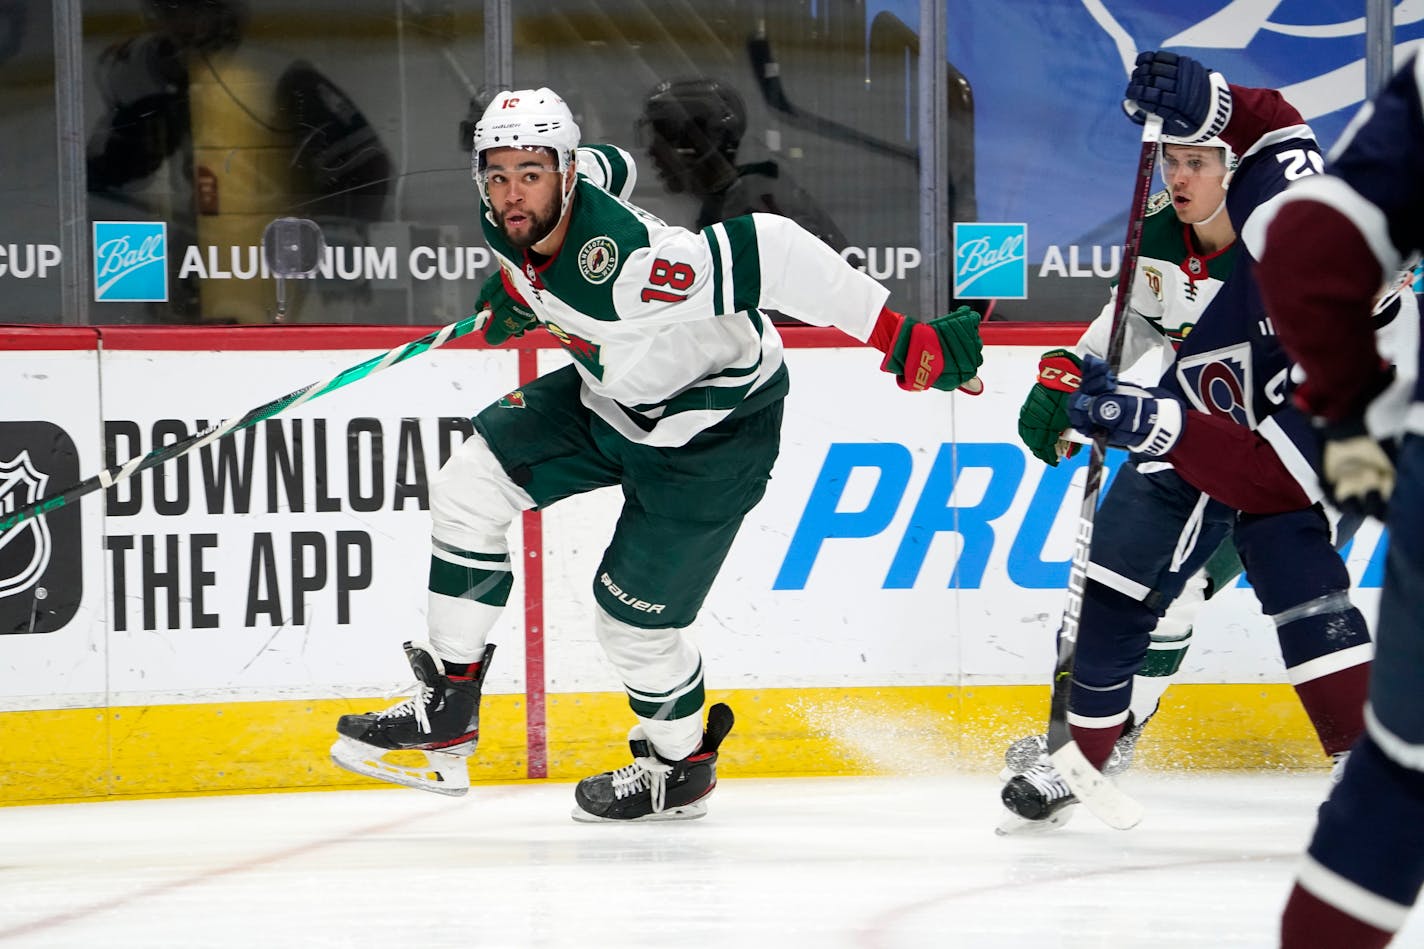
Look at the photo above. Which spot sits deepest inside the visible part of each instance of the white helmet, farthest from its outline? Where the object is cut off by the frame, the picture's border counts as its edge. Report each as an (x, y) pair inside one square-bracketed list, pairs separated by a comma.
[(1228, 157), (525, 118)]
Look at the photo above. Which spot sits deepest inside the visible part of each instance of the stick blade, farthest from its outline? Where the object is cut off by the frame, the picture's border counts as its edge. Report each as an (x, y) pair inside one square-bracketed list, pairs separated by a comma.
[(1109, 803)]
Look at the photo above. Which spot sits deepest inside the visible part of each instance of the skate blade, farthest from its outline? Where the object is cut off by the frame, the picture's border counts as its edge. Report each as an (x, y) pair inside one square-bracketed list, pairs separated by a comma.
[(1015, 826), (686, 812), (443, 774)]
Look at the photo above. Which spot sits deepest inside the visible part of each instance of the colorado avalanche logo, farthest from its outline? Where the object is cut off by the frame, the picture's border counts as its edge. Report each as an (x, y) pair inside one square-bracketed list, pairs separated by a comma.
[(597, 259), (1219, 383)]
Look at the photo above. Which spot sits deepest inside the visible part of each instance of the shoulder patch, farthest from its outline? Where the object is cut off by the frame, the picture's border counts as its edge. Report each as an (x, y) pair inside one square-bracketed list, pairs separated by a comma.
[(1159, 201), (598, 258)]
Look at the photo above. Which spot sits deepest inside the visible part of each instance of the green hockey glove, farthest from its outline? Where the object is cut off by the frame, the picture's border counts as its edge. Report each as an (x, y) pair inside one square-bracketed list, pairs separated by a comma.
[(1044, 414), (509, 313), (943, 353)]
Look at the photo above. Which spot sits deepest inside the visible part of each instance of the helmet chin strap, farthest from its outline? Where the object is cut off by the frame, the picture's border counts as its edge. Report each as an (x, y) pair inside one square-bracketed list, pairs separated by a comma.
[(566, 193), (1212, 216)]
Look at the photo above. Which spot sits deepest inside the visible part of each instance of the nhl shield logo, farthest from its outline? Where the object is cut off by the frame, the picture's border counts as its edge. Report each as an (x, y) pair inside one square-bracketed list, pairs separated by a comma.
[(25, 550), (41, 559)]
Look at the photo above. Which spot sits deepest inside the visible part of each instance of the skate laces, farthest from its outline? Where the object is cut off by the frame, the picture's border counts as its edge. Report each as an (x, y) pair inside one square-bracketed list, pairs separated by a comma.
[(1046, 779), (417, 705), (650, 773)]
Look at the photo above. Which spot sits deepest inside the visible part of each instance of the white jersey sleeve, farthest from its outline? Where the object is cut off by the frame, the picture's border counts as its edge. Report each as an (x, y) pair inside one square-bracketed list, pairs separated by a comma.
[(609, 167), (753, 262), (1146, 353)]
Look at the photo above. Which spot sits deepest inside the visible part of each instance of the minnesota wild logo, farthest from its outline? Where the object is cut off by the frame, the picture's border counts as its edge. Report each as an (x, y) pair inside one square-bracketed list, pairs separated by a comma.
[(598, 259), (514, 400)]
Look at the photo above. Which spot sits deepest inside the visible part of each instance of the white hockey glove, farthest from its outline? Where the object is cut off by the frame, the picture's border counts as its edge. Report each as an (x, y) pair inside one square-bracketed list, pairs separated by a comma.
[(1358, 471), (1146, 421)]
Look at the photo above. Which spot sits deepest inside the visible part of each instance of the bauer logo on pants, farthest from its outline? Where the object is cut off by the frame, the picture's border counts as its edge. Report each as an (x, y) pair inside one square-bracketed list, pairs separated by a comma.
[(41, 580), (991, 261), (130, 261)]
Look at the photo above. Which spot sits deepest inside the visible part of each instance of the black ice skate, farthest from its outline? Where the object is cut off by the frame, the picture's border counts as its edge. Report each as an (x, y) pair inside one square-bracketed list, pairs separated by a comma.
[(1038, 800), (652, 788), (442, 720)]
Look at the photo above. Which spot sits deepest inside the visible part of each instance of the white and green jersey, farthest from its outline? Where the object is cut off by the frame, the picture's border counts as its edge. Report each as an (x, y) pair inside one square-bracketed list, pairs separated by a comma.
[(663, 323), (1172, 288)]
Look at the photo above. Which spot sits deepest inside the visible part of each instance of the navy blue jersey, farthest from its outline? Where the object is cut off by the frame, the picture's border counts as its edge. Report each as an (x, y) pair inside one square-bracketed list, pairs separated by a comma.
[(1232, 364), (1231, 368), (1350, 229)]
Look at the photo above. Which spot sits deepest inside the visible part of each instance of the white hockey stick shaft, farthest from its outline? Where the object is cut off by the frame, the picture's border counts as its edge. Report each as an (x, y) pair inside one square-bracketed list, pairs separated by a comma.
[(111, 476)]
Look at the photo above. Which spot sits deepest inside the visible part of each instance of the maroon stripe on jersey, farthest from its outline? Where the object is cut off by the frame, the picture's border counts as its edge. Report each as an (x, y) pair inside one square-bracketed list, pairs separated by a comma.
[(1326, 326), (1309, 923), (1235, 465), (1254, 112)]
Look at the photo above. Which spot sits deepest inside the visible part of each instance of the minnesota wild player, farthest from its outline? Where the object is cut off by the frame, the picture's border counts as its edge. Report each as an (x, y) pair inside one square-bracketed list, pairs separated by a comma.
[(674, 394)]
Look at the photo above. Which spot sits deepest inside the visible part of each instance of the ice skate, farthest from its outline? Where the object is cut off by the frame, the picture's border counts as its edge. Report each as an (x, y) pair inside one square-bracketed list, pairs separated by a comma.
[(1031, 750), (1037, 800), (1337, 767), (652, 788), (441, 721)]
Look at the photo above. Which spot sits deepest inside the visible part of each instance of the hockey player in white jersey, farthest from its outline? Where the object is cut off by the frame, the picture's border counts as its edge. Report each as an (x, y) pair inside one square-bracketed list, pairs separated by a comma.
[(675, 395)]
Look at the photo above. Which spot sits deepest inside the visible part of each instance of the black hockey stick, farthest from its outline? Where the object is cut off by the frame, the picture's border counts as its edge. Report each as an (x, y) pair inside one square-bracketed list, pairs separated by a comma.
[(111, 476), (1104, 798), (768, 77)]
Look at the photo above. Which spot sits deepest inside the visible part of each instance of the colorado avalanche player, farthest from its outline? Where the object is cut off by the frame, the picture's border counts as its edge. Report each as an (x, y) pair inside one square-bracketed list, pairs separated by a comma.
[(1215, 454), (1330, 245)]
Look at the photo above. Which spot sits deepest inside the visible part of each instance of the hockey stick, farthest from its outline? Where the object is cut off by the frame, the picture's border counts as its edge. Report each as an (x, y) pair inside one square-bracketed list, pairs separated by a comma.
[(768, 77), (1101, 796), (111, 476)]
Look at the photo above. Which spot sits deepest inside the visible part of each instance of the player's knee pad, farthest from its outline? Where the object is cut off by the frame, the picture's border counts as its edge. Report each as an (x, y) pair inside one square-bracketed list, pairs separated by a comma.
[(473, 501), (1322, 636), (661, 669)]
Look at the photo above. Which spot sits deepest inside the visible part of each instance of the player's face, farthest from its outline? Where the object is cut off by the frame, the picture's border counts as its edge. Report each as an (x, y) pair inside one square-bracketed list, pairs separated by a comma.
[(524, 190), (1196, 179)]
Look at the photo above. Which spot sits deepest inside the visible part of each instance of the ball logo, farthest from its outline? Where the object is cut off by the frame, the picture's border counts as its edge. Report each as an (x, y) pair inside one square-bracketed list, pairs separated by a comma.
[(41, 573), (130, 261), (991, 261)]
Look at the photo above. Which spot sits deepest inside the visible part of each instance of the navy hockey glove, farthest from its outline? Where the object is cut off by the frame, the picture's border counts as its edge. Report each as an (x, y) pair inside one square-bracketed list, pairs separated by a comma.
[(1044, 414), (1146, 421), (1357, 470), (509, 314), (943, 353), (1193, 101)]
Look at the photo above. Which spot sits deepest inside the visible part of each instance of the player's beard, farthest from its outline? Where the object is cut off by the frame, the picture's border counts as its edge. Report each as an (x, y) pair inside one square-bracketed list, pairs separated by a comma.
[(541, 223)]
